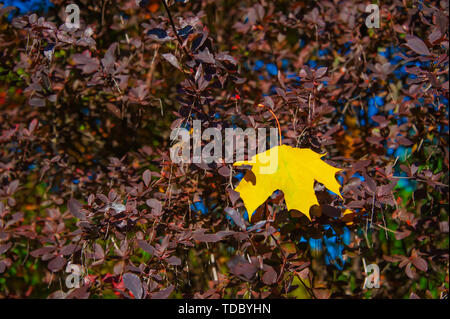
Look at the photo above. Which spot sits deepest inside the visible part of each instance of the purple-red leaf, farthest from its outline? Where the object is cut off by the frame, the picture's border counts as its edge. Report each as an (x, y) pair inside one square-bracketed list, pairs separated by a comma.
[(417, 45), (133, 283)]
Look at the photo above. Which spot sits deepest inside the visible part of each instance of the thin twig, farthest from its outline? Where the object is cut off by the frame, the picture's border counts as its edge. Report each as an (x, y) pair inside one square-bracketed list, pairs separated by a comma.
[(105, 2), (282, 255), (174, 28), (308, 289)]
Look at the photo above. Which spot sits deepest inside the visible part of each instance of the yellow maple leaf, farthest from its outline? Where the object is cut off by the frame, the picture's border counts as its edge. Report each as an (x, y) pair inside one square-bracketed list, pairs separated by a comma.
[(291, 170)]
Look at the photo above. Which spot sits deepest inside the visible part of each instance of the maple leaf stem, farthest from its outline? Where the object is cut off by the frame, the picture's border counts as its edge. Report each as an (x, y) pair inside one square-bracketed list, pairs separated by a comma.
[(276, 119)]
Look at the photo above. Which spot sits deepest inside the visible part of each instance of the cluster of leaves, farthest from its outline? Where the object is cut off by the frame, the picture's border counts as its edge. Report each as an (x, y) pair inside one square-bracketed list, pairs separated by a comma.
[(86, 177)]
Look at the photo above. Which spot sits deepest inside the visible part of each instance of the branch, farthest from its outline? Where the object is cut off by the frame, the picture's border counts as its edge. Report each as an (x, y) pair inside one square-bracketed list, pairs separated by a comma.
[(174, 28)]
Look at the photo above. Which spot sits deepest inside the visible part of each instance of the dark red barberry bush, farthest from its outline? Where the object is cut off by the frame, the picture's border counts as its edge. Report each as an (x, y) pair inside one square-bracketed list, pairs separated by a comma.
[(88, 187)]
